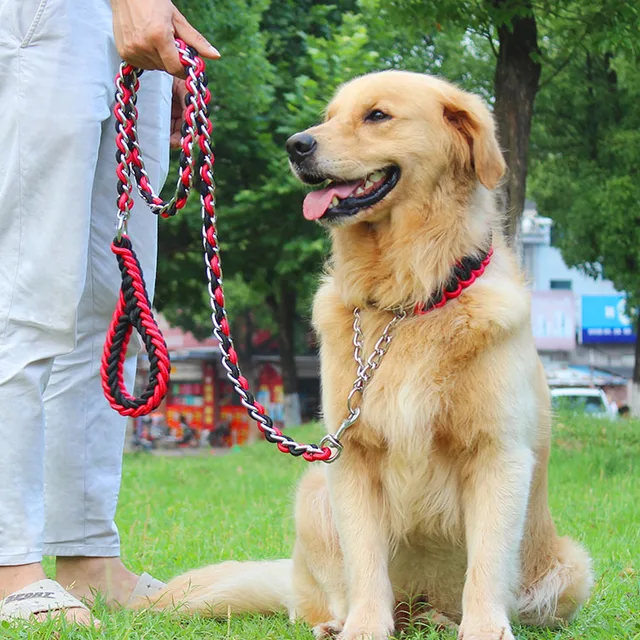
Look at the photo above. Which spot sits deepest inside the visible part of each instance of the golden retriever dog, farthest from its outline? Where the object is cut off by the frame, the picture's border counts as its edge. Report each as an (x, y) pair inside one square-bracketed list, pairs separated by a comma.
[(439, 499)]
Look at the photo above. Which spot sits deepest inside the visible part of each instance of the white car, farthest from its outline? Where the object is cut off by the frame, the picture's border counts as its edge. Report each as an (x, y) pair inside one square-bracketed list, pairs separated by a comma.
[(587, 400)]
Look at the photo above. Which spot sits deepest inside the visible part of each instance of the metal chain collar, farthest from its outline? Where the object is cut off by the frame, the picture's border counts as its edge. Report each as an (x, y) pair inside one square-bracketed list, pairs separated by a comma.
[(365, 372)]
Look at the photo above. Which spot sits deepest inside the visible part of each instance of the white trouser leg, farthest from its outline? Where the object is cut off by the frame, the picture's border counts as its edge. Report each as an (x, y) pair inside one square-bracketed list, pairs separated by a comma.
[(82, 481), (57, 64)]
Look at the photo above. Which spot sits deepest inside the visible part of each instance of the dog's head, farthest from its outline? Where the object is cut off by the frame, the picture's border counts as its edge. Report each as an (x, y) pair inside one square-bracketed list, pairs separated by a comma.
[(390, 135)]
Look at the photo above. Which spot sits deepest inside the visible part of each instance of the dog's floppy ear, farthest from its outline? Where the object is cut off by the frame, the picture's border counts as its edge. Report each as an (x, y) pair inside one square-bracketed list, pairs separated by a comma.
[(471, 120)]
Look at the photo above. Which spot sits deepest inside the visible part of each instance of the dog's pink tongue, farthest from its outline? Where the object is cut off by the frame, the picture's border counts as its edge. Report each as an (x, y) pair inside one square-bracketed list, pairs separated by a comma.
[(317, 202)]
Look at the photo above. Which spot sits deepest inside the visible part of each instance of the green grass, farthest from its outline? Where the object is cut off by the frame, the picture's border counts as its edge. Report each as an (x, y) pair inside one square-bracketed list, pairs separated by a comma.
[(179, 513)]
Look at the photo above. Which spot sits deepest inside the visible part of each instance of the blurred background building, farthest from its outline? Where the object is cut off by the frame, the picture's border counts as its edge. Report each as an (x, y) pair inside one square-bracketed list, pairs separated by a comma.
[(581, 330)]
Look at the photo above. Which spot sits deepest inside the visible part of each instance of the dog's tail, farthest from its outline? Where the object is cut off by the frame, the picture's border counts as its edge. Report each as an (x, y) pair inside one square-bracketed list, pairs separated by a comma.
[(556, 597), (227, 588)]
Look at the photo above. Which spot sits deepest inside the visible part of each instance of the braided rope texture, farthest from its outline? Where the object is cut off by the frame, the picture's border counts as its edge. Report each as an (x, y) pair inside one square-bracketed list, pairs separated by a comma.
[(133, 311), (463, 275)]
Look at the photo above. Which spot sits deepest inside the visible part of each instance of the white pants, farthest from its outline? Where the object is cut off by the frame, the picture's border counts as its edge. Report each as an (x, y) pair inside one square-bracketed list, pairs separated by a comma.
[(60, 442)]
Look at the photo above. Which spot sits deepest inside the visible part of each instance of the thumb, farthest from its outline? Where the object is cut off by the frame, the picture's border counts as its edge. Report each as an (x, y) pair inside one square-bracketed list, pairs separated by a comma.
[(193, 37)]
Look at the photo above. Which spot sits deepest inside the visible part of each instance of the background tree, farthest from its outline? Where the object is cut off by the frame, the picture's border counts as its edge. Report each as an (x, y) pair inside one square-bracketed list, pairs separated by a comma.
[(587, 143), (523, 35)]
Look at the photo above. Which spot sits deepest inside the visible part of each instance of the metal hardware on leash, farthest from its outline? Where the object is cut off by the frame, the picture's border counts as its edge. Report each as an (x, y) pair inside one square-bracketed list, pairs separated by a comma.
[(122, 228), (364, 374)]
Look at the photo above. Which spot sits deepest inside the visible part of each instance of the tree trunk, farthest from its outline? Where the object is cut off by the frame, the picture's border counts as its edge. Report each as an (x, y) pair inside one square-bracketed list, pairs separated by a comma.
[(243, 329), (516, 85), (284, 310)]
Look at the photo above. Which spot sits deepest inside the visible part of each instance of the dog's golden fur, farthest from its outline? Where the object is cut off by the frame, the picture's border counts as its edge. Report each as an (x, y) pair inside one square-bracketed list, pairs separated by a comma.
[(440, 496)]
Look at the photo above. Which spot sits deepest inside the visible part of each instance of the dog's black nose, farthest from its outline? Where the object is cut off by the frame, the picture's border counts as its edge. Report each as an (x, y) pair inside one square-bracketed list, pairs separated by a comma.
[(300, 146)]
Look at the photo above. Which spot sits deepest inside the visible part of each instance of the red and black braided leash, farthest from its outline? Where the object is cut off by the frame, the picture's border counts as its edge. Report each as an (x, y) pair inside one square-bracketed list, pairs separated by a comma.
[(134, 309)]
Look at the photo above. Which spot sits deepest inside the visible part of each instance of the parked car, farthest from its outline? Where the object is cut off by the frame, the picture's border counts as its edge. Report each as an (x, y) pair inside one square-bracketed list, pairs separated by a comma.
[(582, 400)]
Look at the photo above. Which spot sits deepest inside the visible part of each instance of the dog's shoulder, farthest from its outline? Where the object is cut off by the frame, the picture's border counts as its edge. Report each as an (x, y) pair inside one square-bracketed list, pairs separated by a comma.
[(498, 305)]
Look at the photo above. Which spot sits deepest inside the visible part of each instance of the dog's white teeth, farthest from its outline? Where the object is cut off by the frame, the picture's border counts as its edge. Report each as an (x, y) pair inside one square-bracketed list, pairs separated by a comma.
[(335, 201), (377, 175), (368, 184), (359, 191)]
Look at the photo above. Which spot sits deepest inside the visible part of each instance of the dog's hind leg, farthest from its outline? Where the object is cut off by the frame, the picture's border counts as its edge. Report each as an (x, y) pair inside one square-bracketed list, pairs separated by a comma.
[(556, 576)]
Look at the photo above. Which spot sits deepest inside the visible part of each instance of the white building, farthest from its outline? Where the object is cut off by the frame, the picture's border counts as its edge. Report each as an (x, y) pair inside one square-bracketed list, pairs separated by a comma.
[(558, 289)]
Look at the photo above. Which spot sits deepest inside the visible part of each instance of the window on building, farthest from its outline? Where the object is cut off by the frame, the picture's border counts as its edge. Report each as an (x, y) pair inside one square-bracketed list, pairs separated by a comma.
[(555, 235), (560, 284)]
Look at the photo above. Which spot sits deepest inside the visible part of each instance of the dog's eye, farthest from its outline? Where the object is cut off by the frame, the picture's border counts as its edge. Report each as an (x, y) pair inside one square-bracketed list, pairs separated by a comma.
[(376, 115)]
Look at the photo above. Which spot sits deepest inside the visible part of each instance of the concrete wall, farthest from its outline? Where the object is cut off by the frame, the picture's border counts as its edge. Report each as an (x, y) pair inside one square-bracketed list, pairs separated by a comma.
[(547, 265)]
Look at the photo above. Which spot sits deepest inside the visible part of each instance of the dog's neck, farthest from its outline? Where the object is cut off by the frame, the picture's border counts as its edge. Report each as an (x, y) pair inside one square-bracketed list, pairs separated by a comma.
[(404, 259)]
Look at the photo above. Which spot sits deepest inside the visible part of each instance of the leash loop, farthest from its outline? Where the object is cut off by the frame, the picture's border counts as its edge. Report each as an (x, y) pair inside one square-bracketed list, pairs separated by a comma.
[(133, 311)]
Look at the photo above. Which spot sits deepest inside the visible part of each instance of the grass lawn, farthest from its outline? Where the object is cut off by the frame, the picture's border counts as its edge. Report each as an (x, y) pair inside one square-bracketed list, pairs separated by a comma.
[(179, 513)]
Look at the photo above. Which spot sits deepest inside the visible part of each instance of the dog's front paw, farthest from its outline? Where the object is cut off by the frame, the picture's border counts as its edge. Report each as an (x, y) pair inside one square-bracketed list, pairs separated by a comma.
[(327, 629), (369, 621), (365, 635), (366, 632), (485, 632)]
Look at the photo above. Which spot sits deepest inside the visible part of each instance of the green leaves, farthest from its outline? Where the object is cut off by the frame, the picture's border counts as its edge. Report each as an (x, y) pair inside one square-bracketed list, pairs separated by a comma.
[(587, 154)]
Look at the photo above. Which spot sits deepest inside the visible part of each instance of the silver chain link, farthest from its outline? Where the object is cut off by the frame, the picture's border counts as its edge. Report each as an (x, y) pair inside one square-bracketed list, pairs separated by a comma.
[(127, 187), (365, 372)]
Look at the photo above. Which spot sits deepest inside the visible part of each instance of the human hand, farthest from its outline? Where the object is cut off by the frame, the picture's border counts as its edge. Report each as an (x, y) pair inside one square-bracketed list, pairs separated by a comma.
[(177, 109), (145, 32)]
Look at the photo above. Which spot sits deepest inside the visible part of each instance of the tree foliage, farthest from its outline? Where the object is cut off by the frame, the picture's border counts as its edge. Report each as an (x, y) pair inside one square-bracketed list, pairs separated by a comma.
[(528, 38)]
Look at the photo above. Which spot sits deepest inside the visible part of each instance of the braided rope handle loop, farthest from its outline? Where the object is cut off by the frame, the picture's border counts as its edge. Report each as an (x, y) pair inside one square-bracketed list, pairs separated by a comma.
[(133, 311), (197, 127)]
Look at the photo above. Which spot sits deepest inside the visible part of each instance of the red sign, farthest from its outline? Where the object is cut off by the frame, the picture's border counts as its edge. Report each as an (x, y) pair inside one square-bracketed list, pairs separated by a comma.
[(208, 396), (192, 414)]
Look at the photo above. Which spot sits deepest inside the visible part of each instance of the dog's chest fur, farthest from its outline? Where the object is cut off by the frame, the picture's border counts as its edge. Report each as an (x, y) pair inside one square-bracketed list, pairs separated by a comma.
[(421, 418), (410, 409)]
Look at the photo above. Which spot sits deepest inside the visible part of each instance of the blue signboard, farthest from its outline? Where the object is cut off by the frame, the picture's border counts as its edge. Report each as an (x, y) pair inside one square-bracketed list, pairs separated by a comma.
[(604, 320)]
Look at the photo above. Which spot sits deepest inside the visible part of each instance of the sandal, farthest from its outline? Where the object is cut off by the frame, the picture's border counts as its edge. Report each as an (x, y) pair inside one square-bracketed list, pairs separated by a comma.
[(146, 587), (42, 596)]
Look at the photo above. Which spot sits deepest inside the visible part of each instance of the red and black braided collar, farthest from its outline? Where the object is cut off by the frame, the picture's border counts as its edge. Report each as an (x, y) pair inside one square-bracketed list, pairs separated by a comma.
[(465, 272), (463, 275)]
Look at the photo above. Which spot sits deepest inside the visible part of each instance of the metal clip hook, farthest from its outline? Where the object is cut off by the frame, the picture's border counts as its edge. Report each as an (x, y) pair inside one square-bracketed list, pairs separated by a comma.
[(122, 227), (333, 440)]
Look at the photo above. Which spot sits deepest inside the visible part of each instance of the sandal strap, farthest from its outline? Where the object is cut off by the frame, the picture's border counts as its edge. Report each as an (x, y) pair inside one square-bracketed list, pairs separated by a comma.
[(147, 587), (39, 597)]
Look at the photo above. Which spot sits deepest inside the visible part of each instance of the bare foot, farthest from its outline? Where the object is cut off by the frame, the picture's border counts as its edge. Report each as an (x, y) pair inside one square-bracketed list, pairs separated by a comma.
[(85, 578), (18, 577)]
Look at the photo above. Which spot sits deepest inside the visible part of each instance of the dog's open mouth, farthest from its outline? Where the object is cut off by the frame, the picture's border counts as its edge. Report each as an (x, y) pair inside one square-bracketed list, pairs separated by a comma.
[(342, 199)]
